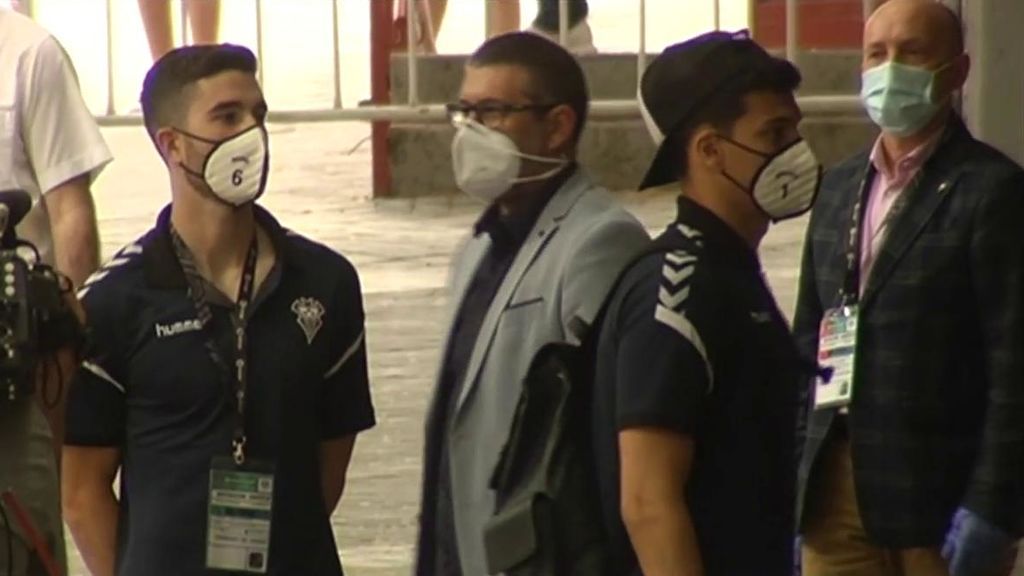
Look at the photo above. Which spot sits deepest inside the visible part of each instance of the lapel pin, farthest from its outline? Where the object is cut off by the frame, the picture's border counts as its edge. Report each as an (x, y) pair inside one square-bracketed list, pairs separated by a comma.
[(943, 187)]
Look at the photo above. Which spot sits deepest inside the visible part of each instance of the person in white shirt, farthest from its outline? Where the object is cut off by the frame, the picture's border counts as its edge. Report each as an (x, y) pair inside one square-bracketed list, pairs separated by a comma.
[(51, 147)]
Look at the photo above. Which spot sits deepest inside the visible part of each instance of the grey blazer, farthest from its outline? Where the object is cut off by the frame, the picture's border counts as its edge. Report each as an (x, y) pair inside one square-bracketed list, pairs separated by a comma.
[(554, 289)]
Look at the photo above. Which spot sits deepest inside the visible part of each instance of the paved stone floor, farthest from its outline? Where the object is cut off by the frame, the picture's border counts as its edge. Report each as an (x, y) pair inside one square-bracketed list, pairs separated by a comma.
[(320, 187)]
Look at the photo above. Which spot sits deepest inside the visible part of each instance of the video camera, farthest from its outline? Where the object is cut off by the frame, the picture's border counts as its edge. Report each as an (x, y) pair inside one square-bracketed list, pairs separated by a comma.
[(35, 319)]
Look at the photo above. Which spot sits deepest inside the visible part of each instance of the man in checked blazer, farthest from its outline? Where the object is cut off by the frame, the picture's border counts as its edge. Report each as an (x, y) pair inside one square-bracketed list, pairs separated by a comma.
[(934, 431)]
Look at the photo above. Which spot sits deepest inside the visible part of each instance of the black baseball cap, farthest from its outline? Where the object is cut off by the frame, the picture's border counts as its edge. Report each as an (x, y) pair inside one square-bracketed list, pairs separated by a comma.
[(685, 78)]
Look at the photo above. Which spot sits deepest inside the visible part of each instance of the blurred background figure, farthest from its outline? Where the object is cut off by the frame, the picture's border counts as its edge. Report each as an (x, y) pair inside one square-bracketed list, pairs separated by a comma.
[(579, 40), (203, 17), (502, 17)]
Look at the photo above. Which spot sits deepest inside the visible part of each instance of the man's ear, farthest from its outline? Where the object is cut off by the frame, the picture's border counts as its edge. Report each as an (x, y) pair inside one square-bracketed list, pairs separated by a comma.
[(562, 120), (961, 68), (170, 145), (705, 148)]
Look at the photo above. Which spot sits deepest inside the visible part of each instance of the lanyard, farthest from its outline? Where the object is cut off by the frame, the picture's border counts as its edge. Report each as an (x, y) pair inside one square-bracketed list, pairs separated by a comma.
[(851, 283), (239, 318)]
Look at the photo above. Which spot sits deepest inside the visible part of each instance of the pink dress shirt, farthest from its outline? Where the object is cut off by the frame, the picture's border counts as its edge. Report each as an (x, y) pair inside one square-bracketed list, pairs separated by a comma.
[(889, 183)]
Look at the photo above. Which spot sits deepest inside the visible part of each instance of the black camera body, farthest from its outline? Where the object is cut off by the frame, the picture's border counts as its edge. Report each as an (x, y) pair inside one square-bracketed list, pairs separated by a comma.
[(35, 319)]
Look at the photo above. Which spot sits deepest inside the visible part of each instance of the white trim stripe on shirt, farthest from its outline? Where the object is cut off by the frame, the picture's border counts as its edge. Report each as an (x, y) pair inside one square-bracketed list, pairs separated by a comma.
[(686, 329), (120, 259), (348, 354), (97, 370)]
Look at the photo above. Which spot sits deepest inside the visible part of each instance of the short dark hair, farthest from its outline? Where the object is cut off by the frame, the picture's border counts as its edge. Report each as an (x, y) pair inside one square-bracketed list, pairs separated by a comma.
[(728, 103), (555, 75), (165, 91)]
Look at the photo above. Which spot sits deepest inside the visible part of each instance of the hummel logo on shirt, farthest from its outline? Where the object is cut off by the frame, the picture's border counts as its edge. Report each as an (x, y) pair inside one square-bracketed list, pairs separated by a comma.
[(179, 327)]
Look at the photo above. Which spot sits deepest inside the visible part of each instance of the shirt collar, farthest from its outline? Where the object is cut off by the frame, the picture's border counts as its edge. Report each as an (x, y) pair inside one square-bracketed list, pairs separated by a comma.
[(713, 230), (906, 167), (161, 265), (511, 230)]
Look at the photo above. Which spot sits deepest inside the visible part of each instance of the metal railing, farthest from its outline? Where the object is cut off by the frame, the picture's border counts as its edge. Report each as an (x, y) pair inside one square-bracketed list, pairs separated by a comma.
[(414, 111), (382, 107)]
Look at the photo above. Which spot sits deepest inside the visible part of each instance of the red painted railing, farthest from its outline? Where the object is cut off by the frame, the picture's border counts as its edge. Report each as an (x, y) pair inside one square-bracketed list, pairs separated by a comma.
[(381, 42)]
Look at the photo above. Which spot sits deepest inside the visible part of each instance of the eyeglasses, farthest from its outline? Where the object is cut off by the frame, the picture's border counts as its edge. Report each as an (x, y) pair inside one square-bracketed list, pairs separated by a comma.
[(490, 113)]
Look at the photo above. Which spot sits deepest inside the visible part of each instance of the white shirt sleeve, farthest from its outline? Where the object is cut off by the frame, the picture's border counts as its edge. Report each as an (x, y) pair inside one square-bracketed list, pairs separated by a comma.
[(61, 138)]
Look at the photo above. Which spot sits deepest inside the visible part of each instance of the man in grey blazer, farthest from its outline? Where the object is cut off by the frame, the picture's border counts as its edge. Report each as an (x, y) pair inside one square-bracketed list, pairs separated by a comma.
[(536, 270)]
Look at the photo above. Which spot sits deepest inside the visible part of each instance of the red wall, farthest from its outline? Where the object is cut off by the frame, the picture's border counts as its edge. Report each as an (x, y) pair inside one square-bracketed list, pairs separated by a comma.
[(828, 24)]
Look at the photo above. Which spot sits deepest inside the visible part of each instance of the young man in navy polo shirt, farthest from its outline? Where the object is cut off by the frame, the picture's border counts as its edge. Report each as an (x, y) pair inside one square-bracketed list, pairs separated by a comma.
[(227, 371), (697, 375)]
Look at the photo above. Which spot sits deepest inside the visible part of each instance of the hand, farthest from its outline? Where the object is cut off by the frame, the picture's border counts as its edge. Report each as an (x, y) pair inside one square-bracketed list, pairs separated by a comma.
[(974, 547)]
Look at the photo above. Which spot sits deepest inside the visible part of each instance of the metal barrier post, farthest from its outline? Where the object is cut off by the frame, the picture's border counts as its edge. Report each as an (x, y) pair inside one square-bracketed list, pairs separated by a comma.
[(792, 30), (259, 42), (111, 110), (336, 42), (183, 22), (411, 20), (381, 24), (563, 22), (641, 54), (718, 14)]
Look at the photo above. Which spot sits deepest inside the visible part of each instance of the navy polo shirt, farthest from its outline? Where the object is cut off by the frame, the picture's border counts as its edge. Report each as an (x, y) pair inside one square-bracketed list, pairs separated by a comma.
[(693, 342), (150, 388)]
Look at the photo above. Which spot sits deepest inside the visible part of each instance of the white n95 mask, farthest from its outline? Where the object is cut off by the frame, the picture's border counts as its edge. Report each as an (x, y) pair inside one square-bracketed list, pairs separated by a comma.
[(236, 167), (486, 162), (787, 183)]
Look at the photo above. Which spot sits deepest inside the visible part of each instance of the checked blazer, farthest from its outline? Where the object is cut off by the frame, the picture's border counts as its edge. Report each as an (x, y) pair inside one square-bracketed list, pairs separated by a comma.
[(937, 416)]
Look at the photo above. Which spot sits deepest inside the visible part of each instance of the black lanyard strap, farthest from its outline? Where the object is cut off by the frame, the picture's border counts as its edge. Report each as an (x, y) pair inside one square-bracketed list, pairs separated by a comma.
[(851, 284), (239, 318)]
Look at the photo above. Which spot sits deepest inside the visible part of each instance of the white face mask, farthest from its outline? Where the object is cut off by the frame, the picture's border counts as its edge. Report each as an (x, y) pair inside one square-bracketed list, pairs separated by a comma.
[(486, 162), (787, 183), (236, 168)]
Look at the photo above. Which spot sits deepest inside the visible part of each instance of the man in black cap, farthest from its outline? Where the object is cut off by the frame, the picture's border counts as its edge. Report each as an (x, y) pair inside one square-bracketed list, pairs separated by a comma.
[(696, 384)]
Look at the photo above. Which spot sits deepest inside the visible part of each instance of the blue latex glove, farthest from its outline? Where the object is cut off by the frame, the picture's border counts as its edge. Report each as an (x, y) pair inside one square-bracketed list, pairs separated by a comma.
[(974, 547)]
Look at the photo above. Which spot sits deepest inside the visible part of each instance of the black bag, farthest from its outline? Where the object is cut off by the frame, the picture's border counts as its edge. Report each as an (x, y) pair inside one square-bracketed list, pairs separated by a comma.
[(547, 519)]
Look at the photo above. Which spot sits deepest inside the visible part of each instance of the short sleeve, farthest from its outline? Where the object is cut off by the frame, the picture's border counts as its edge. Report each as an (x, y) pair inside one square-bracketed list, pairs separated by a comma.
[(346, 406), (662, 371), (60, 134), (95, 414)]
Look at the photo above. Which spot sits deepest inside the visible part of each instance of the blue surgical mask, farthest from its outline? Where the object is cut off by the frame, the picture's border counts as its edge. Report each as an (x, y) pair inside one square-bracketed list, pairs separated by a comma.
[(900, 99)]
